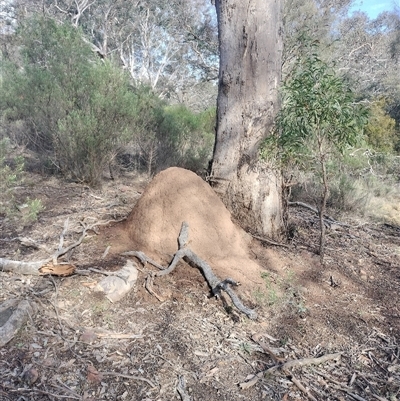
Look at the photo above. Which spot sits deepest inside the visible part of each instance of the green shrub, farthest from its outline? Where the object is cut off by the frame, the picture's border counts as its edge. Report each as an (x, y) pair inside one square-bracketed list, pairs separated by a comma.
[(186, 138), (319, 120), (77, 109), (9, 177), (381, 128)]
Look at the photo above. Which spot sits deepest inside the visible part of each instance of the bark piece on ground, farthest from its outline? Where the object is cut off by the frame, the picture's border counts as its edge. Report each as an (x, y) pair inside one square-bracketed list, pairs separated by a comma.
[(117, 284), (62, 269), (13, 315)]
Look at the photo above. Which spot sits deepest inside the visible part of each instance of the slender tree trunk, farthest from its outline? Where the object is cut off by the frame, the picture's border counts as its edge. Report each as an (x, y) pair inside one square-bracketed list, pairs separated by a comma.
[(324, 198), (250, 44)]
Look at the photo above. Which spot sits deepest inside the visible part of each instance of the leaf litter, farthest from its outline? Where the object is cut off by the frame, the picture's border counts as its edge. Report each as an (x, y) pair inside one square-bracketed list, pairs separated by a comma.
[(78, 345)]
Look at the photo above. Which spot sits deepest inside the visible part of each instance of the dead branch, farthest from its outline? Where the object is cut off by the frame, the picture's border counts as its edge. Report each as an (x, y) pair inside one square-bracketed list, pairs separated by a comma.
[(303, 389), (188, 255), (106, 252), (55, 306), (328, 220), (309, 361), (287, 365), (140, 378), (15, 266), (51, 265), (214, 282)]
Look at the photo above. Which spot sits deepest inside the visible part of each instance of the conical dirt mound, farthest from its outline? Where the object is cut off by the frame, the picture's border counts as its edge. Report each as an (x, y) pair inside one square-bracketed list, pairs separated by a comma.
[(176, 195)]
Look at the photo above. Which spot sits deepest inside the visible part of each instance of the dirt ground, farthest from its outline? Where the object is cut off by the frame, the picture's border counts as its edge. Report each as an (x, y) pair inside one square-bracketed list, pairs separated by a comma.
[(78, 345)]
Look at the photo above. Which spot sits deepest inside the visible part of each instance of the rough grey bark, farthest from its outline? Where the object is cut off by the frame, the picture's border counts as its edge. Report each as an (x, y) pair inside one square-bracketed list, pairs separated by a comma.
[(250, 43)]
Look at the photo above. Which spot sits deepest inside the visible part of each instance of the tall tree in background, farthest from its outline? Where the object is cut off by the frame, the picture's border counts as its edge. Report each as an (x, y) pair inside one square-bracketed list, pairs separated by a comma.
[(169, 45), (250, 44)]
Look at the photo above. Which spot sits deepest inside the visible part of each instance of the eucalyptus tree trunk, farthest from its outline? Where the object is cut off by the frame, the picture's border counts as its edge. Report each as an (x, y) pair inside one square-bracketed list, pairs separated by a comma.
[(250, 44)]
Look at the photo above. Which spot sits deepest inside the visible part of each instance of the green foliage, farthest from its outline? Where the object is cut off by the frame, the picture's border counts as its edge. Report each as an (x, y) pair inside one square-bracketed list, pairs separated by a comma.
[(171, 135), (318, 115), (31, 209), (381, 128), (9, 177), (319, 120), (76, 108), (12, 175), (187, 138)]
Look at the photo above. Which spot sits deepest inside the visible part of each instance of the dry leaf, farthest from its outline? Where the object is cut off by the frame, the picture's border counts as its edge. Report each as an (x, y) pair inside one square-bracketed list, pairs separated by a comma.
[(93, 375)]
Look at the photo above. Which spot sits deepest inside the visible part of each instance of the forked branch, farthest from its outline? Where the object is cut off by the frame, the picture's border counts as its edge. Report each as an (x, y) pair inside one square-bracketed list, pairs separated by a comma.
[(213, 281)]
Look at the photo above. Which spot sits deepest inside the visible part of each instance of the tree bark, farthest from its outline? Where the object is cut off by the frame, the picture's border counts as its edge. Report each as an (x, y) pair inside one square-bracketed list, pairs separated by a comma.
[(250, 44)]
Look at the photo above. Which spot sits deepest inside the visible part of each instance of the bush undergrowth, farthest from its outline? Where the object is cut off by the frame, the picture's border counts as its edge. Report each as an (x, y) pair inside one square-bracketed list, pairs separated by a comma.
[(12, 176)]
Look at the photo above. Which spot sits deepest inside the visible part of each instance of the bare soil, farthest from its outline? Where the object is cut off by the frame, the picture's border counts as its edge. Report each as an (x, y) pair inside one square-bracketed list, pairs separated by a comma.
[(80, 346)]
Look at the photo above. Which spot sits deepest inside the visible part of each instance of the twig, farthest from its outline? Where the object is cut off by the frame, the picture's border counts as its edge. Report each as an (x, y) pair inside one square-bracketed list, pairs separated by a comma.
[(252, 381), (118, 336), (269, 351), (64, 387), (44, 392), (181, 389), (63, 251), (288, 365), (303, 389), (54, 305), (106, 252), (92, 269), (377, 397), (327, 219), (56, 395), (268, 241), (339, 386), (140, 378), (149, 287), (353, 377)]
